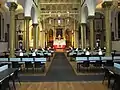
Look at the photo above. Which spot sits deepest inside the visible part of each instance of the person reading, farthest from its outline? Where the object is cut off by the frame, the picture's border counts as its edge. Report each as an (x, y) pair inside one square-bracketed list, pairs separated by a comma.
[(21, 53), (100, 52), (87, 53)]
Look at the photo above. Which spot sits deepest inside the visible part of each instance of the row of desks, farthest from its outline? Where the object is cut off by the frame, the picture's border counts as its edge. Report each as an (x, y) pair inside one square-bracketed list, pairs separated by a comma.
[(98, 58), (22, 60), (40, 54)]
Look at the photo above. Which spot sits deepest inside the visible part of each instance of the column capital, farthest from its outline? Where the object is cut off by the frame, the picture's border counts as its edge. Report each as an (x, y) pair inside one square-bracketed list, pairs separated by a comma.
[(34, 24), (12, 6), (91, 17), (107, 4), (27, 18), (83, 23)]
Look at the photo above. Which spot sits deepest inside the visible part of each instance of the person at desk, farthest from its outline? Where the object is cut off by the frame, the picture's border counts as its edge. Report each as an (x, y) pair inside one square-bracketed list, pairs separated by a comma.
[(100, 52), (36, 50), (87, 53), (84, 50), (76, 49), (34, 53), (21, 53), (43, 49), (31, 50)]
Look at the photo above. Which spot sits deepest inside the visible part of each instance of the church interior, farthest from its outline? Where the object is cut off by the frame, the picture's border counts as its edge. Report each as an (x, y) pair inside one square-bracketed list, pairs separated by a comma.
[(59, 44)]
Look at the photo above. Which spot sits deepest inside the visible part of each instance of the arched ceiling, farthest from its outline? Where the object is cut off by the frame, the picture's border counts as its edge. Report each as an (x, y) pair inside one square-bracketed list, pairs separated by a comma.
[(59, 8)]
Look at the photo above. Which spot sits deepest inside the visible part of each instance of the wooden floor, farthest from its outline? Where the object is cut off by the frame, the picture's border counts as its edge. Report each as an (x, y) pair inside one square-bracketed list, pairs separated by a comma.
[(62, 86)]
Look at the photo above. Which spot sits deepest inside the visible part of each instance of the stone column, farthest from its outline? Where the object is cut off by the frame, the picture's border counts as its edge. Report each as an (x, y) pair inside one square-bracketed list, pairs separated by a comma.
[(45, 38), (27, 20), (41, 43), (83, 35), (54, 31), (76, 38), (35, 33), (16, 36), (85, 40), (24, 35), (106, 5), (72, 39), (74, 35), (48, 39), (12, 9), (91, 19)]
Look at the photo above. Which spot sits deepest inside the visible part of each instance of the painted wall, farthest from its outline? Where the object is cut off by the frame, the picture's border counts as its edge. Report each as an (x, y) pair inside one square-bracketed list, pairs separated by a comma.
[(116, 45), (3, 46)]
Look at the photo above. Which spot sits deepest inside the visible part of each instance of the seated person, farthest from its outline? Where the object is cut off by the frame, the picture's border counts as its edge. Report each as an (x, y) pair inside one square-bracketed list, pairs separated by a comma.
[(36, 50), (87, 53), (31, 50), (34, 53), (21, 53), (84, 49), (76, 49), (100, 52), (43, 49)]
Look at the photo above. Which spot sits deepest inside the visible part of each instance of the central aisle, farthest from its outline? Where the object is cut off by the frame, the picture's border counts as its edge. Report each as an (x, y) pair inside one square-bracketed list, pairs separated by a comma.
[(60, 68)]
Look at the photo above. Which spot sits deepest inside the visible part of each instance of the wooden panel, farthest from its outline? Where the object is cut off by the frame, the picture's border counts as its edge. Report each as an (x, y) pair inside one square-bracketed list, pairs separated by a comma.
[(62, 86)]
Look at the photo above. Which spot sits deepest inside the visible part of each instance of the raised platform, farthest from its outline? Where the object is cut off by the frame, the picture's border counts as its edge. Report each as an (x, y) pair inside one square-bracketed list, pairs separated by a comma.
[(59, 50)]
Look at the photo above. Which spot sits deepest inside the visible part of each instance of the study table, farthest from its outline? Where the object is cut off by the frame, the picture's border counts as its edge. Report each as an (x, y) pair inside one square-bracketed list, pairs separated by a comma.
[(6, 73), (115, 71)]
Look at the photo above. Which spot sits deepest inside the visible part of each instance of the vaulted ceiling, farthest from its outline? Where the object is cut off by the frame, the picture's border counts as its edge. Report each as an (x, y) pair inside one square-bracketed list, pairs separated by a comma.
[(59, 7)]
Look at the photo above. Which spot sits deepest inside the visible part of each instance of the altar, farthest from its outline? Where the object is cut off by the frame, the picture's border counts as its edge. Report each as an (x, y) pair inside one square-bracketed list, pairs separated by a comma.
[(59, 44)]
